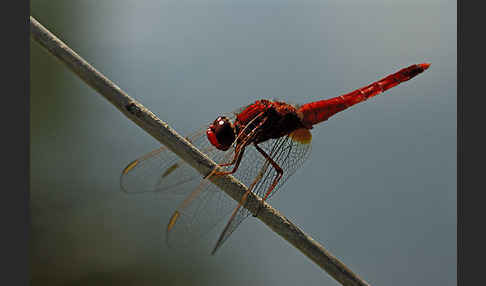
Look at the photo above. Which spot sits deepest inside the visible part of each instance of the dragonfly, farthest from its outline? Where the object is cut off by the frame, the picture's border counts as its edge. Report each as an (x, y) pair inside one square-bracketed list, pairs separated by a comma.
[(261, 144)]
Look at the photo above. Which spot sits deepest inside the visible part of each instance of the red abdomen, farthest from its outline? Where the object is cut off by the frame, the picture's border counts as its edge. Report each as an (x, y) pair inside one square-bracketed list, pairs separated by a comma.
[(315, 112)]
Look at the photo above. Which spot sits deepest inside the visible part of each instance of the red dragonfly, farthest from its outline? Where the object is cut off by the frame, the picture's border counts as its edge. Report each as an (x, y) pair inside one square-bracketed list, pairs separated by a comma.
[(261, 144)]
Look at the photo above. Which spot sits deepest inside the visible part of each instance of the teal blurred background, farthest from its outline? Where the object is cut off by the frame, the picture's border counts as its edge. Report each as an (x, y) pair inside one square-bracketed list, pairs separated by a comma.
[(378, 191)]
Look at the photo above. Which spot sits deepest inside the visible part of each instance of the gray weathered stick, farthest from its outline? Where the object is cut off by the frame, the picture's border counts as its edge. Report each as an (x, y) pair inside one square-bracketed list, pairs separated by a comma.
[(167, 136)]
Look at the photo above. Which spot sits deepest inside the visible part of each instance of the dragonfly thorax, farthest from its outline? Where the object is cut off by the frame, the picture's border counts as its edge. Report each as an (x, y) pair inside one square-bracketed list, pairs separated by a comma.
[(258, 122)]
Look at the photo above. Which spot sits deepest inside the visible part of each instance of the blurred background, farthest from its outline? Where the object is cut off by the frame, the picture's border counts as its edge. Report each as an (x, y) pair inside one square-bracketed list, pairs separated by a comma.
[(378, 191)]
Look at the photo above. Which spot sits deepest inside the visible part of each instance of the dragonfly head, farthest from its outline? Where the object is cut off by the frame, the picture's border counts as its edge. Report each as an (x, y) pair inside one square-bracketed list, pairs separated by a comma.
[(221, 133)]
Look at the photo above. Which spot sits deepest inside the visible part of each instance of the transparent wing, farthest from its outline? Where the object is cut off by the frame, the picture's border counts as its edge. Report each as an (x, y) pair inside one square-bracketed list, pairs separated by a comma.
[(163, 171), (158, 171), (287, 152), (200, 212)]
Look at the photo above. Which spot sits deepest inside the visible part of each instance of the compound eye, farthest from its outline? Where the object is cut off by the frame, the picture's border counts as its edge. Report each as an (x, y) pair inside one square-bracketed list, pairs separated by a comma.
[(221, 133)]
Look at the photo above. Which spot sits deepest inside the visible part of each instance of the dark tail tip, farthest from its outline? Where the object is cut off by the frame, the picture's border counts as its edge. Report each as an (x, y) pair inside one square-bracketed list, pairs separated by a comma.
[(424, 66)]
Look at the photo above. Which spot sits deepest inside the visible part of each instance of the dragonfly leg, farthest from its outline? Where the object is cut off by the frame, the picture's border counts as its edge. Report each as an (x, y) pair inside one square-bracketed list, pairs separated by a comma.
[(236, 161), (241, 149), (237, 164), (235, 157), (241, 145), (276, 167)]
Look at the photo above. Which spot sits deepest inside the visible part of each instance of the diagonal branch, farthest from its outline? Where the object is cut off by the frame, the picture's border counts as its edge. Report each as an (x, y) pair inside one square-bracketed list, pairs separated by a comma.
[(167, 136)]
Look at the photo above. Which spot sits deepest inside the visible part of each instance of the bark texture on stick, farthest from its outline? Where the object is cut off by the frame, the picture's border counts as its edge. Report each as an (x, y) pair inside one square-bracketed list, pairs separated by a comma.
[(179, 145)]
